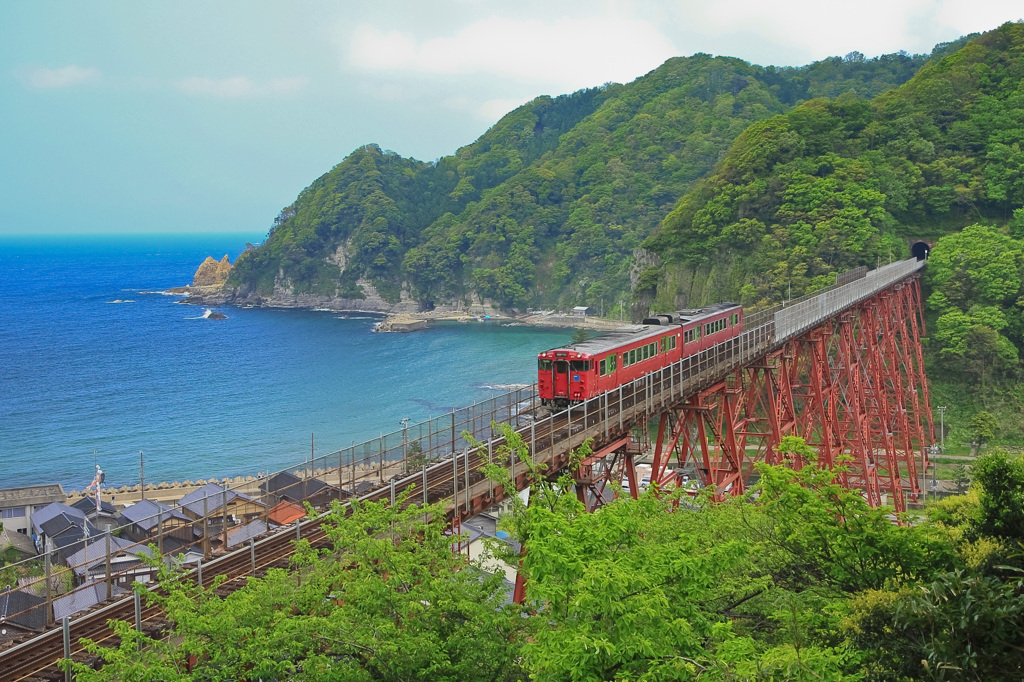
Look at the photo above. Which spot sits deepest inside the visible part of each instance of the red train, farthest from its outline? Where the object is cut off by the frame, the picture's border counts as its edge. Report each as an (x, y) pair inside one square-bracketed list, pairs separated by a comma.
[(580, 371)]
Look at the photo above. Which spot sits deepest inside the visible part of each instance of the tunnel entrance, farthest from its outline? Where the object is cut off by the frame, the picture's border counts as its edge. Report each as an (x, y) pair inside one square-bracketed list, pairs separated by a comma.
[(920, 250)]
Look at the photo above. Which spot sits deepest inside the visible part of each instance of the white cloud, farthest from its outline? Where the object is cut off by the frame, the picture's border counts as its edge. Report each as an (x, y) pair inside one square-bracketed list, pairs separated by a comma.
[(241, 86), (820, 27), (570, 53), (978, 16), (63, 77)]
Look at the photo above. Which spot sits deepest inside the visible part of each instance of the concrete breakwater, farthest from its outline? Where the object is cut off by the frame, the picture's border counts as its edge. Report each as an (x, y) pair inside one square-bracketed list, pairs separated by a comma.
[(171, 492)]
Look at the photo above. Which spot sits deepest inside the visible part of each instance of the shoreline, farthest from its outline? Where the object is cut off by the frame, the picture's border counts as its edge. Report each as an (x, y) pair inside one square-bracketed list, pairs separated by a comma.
[(401, 321)]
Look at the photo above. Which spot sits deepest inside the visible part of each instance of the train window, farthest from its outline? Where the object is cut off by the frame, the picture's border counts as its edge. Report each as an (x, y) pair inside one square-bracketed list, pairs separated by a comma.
[(561, 366), (654, 349), (672, 343), (544, 365), (579, 365), (632, 357), (614, 363), (602, 368)]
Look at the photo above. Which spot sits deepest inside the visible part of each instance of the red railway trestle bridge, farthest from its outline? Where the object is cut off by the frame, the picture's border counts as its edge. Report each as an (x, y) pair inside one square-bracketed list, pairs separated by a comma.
[(842, 369)]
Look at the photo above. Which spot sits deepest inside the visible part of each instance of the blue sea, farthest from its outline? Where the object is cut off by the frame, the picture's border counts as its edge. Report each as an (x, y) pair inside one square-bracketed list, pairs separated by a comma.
[(85, 379)]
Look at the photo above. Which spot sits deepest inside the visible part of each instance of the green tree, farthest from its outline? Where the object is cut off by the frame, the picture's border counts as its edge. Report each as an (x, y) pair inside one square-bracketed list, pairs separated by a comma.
[(389, 600), (1001, 501), (983, 428)]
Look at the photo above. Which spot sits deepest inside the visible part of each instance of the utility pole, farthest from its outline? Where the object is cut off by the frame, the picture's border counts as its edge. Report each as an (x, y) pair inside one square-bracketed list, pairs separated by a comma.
[(142, 479), (942, 428), (405, 445)]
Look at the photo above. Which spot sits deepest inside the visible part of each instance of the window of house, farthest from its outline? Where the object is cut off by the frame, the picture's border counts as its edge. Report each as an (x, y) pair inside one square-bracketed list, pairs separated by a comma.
[(13, 513)]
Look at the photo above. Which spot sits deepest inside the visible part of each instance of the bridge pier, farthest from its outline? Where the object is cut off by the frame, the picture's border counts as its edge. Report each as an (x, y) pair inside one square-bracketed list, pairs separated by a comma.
[(853, 387)]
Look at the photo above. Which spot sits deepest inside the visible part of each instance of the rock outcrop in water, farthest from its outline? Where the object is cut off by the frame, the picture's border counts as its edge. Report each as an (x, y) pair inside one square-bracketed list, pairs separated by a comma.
[(212, 273)]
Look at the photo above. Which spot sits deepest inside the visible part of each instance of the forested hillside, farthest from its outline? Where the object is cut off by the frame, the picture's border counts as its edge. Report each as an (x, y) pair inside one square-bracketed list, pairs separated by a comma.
[(841, 182), (549, 206)]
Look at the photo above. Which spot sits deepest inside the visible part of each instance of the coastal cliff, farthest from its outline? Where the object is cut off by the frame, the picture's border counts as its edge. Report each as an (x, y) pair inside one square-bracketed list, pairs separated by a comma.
[(211, 286)]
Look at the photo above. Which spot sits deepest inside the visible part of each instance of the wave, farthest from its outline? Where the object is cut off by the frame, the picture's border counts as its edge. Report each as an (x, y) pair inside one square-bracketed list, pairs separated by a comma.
[(118, 300)]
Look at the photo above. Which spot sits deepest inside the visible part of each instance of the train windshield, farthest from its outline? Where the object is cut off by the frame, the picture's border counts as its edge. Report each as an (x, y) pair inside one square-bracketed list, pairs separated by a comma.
[(580, 365), (544, 365)]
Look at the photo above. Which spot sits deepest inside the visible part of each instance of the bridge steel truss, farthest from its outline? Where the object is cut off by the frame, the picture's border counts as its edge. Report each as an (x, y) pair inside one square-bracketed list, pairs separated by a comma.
[(853, 387)]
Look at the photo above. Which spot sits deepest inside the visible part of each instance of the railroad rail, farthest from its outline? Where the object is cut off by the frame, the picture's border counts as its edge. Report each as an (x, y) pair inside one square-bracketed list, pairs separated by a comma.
[(458, 480)]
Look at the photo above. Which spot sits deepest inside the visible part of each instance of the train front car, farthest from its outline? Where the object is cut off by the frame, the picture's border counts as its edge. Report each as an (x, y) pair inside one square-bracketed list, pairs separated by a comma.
[(581, 371), (564, 376)]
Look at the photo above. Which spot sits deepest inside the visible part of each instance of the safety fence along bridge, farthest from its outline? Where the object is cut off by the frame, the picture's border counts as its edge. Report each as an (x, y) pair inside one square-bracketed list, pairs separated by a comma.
[(841, 368)]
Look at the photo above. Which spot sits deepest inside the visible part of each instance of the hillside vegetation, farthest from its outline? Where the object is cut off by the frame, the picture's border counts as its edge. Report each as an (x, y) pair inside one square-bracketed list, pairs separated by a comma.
[(550, 205), (836, 183), (800, 581)]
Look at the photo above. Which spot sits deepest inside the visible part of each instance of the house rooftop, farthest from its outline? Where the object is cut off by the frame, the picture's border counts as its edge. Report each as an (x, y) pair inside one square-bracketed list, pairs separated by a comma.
[(82, 598), (31, 495), (23, 609), (144, 514), (88, 506), (95, 552), (215, 496), (51, 511)]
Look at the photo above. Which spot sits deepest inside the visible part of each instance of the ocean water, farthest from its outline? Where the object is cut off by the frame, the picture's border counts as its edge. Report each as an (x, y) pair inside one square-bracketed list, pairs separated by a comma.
[(85, 380)]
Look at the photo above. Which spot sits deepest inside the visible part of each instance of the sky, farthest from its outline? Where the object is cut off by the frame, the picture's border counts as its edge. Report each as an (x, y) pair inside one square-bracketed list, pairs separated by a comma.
[(210, 116)]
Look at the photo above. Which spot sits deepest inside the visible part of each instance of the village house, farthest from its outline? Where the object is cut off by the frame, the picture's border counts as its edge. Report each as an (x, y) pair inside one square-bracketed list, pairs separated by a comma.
[(148, 520), (21, 544), (285, 512), (90, 562), (217, 502), (287, 486), (61, 529), (21, 613), (18, 504), (105, 518)]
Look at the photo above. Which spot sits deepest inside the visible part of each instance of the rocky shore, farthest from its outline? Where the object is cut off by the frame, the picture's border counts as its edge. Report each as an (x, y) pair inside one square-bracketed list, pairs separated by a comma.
[(209, 288)]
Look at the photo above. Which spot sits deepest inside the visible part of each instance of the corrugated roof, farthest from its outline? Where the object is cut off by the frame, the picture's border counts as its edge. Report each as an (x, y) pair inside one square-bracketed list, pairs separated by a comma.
[(84, 597), (240, 534), (285, 512)]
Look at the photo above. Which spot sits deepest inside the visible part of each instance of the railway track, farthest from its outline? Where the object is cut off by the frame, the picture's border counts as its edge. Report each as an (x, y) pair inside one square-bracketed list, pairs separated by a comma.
[(37, 658)]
